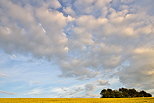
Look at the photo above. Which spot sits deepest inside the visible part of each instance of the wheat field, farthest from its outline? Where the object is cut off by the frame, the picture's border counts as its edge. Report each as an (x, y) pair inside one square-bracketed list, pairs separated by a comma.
[(77, 100)]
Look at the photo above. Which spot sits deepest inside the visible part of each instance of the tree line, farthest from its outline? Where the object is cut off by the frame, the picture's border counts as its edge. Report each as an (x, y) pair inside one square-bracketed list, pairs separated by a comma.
[(123, 93)]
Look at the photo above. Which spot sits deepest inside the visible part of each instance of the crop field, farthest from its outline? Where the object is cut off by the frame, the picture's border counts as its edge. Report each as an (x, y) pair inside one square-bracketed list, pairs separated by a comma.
[(77, 100)]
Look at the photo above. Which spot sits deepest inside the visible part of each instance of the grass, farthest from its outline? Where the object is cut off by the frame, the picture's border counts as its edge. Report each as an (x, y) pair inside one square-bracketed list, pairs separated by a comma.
[(77, 100)]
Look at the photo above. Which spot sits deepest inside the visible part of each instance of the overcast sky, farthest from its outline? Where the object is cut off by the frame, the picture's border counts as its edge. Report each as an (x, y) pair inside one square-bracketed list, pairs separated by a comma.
[(75, 48)]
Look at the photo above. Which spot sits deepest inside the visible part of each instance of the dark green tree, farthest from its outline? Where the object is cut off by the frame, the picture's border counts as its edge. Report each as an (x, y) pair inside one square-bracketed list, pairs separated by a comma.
[(123, 93)]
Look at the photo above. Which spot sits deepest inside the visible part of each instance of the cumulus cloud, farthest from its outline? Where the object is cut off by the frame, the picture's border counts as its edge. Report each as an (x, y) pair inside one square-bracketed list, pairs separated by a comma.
[(107, 42), (54, 4), (101, 35), (34, 31), (92, 7), (104, 41), (140, 73), (69, 11)]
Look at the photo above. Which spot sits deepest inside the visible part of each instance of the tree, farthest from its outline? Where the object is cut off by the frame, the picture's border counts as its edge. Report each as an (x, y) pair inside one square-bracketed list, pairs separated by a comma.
[(123, 93), (141, 93), (132, 92), (117, 94), (144, 94)]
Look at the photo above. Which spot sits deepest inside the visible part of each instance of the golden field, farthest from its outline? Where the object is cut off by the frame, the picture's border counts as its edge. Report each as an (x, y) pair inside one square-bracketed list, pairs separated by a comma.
[(77, 100)]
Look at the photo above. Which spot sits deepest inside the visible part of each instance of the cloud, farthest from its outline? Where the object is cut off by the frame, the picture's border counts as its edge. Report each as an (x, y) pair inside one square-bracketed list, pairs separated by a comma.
[(102, 82), (140, 73), (101, 36), (40, 32), (104, 41), (91, 7), (3, 75), (150, 91), (100, 43), (55, 4), (35, 91), (85, 90), (69, 11), (66, 92), (79, 69), (82, 90), (9, 93)]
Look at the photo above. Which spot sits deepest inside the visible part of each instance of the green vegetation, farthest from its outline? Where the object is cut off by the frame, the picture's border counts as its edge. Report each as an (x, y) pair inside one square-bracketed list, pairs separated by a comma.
[(123, 93)]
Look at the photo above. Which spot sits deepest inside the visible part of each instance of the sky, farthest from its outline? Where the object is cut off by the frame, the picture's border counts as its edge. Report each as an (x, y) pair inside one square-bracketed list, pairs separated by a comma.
[(75, 48)]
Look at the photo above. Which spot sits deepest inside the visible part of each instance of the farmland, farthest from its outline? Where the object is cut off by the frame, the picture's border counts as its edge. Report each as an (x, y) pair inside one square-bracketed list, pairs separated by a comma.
[(77, 100)]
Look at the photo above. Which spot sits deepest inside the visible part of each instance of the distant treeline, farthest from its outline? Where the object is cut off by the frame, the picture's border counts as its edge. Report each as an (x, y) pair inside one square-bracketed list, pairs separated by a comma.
[(123, 93)]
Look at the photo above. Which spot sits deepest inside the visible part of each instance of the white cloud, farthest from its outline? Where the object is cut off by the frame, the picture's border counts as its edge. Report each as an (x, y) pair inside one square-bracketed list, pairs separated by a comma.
[(91, 7), (102, 82), (3, 75), (103, 34), (69, 11), (140, 72), (127, 1), (109, 43), (80, 90), (9, 93), (23, 32), (66, 92), (54, 4), (36, 91), (150, 91)]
